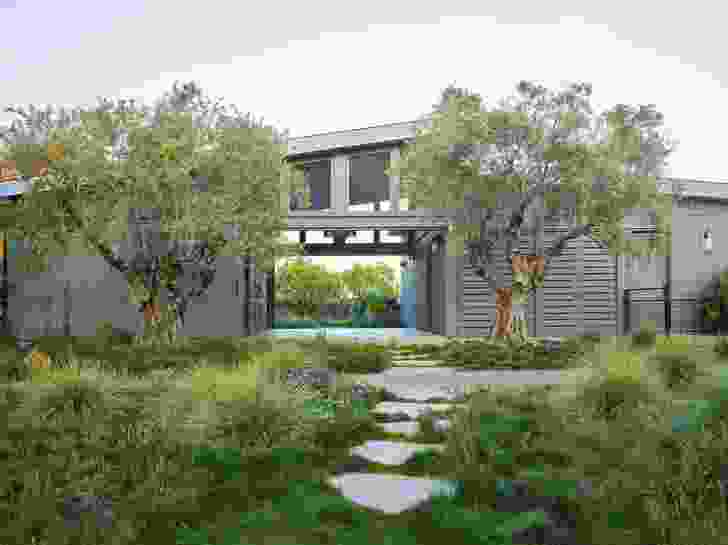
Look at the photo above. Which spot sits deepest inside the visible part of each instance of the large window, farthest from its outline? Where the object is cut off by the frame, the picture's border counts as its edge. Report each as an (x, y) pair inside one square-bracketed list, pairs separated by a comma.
[(368, 183), (317, 186)]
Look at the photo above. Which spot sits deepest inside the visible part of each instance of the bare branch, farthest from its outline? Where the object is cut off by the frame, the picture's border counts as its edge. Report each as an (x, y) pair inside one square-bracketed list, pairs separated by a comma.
[(560, 243), (107, 253)]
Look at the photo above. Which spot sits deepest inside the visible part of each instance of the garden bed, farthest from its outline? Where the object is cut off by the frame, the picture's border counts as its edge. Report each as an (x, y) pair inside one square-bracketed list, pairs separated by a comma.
[(195, 449)]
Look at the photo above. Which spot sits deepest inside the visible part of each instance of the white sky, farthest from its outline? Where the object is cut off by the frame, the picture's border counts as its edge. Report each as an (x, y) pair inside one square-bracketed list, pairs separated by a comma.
[(322, 66)]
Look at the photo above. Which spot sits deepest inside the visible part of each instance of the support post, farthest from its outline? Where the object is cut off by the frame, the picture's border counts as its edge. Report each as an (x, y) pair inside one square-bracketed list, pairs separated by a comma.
[(668, 307), (394, 155), (5, 287), (411, 244), (67, 308), (538, 250)]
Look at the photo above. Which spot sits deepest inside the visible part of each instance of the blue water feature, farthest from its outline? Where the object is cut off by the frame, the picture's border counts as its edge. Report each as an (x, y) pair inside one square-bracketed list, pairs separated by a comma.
[(334, 331), (408, 299), (343, 332)]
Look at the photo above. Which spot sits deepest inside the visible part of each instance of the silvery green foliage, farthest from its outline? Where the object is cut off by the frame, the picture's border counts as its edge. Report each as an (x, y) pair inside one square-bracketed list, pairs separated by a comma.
[(119, 127), (474, 158)]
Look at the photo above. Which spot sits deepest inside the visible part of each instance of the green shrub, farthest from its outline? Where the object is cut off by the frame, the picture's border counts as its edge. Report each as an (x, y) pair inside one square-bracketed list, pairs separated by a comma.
[(676, 369), (376, 307), (489, 353), (363, 358), (616, 396), (721, 347), (13, 367), (590, 340), (296, 324), (646, 336)]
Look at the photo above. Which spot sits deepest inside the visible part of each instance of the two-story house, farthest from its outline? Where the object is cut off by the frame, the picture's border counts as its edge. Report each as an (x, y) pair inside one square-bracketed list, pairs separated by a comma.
[(349, 192)]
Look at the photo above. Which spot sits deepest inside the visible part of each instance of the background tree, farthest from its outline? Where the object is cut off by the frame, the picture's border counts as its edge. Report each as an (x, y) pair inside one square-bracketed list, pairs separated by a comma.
[(362, 277), (209, 179), (500, 167), (304, 287)]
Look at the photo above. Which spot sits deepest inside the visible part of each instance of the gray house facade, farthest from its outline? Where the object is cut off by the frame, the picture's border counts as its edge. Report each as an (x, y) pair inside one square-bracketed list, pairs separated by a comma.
[(585, 289), (350, 193)]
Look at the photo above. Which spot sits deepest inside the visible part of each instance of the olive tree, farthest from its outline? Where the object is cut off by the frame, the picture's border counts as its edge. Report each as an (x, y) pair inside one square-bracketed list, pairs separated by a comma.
[(200, 179), (498, 168)]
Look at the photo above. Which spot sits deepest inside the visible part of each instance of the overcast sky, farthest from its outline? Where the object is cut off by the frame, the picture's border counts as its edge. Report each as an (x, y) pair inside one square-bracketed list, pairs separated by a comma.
[(314, 67)]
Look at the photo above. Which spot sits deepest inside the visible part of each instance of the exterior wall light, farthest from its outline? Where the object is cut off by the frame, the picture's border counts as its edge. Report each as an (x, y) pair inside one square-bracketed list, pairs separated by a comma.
[(708, 240), (435, 246)]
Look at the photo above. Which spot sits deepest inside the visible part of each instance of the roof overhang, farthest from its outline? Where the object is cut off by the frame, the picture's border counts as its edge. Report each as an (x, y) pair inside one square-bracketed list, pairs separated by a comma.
[(332, 142)]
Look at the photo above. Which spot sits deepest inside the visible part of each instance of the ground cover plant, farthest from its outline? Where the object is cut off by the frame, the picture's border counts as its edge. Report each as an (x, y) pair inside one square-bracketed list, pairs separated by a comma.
[(485, 353), (201, 445)]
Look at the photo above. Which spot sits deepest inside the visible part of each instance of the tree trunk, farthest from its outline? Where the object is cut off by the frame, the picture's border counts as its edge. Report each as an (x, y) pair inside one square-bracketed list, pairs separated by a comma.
[(161, 324), (152, 312), (511, 320), (503, 326)]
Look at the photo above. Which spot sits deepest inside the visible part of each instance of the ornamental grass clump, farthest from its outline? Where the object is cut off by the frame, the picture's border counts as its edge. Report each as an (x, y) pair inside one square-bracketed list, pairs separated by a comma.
[(721, 347), (361, 358), (676, 369), (646, 336)]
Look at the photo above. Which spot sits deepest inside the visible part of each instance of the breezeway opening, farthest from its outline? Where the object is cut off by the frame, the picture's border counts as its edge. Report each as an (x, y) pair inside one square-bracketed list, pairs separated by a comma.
[(339, 251)]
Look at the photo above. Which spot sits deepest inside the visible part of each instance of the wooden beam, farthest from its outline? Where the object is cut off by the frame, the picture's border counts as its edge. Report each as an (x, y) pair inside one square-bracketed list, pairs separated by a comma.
[(357, 249)]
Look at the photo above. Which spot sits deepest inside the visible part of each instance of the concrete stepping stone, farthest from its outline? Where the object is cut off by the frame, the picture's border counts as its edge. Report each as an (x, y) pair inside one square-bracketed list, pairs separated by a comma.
[(391, 494), (412, 428), (406, 362), (422, 383), (392, 453), (396, 412)]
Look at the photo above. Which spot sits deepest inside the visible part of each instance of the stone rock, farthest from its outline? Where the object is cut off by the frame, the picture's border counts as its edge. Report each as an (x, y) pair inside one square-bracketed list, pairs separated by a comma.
[(360, 392), (319, 378), (391, 453), (100, 506), (402, 412), (24, 345), (409, 427), (391, 494), (723, 481), (324, 380)]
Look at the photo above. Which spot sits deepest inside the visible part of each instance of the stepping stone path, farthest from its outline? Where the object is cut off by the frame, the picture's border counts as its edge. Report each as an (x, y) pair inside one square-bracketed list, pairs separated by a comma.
[(394, 494)]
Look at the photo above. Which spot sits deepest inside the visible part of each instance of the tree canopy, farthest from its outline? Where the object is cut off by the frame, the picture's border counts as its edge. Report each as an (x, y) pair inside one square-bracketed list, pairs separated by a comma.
[(361, 277), (497, 168), (209, 179), (305, 286)]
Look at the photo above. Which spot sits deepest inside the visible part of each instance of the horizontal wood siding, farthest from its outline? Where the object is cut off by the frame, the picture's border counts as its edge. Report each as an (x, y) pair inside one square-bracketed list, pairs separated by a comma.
[(561, 309), (563, 288)]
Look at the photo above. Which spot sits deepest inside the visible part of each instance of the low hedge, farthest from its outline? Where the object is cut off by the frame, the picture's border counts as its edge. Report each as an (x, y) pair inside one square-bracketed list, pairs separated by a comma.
[(486, 353)]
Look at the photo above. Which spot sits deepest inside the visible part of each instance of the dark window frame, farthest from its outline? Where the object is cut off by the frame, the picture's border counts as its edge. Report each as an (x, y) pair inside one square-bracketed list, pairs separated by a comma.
[(387, 163), (308, 163)]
